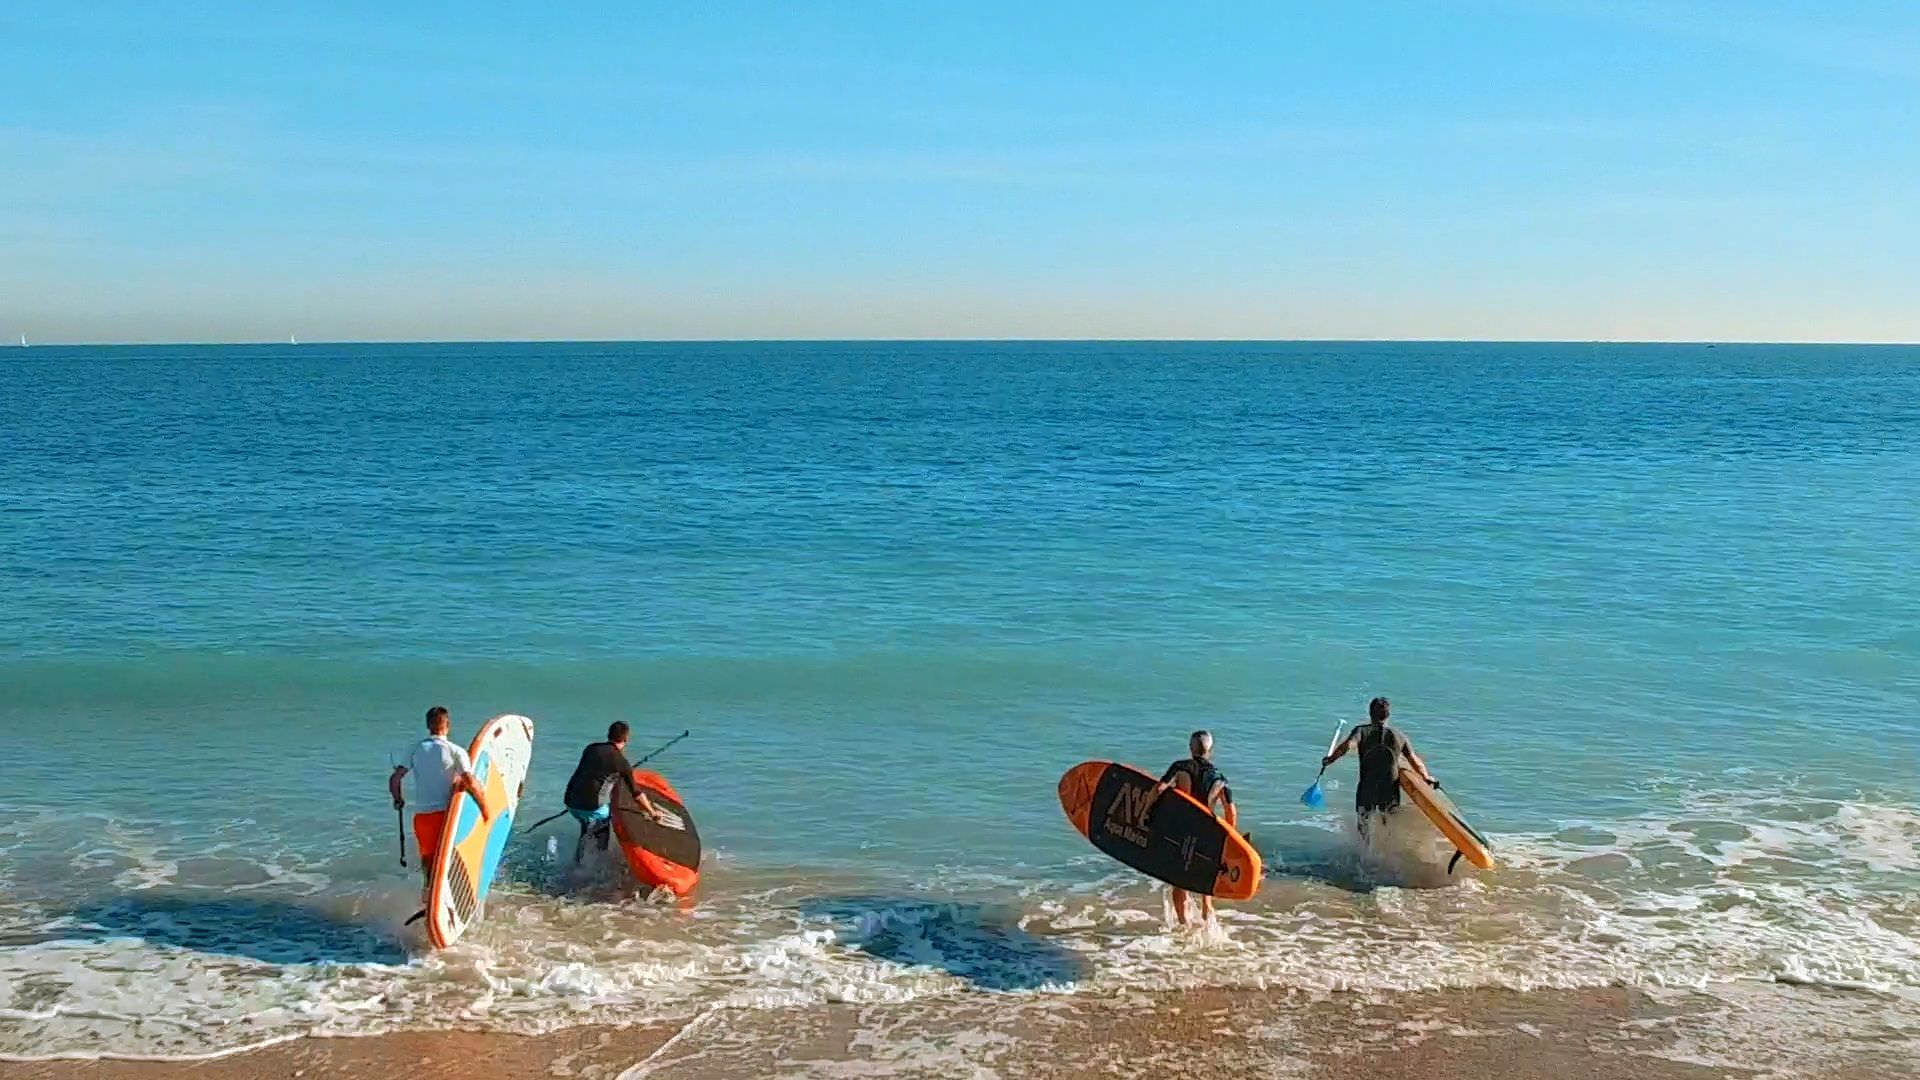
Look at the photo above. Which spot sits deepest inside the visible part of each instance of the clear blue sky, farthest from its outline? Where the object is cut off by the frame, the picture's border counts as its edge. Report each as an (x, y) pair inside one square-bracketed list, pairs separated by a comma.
[(1524, 169)]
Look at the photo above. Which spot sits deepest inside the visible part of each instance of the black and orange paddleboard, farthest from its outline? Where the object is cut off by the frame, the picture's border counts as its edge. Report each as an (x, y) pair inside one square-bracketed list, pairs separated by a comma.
[(1176, 839), (660, 853)]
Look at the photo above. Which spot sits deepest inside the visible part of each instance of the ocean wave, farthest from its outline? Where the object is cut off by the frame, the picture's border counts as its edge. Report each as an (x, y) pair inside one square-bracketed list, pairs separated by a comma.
[(1742, 887)]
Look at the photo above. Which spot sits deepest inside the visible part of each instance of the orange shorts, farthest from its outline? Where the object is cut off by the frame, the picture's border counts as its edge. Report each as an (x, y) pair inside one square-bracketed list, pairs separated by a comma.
[(427, 829)]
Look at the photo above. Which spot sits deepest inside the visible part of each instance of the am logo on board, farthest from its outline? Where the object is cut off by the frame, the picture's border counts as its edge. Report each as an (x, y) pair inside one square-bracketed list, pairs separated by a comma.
[(1127, 815)]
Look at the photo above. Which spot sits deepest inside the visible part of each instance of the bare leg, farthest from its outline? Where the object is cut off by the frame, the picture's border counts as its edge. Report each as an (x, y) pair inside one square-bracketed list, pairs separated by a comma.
[(1180, 906), (1206, 908)]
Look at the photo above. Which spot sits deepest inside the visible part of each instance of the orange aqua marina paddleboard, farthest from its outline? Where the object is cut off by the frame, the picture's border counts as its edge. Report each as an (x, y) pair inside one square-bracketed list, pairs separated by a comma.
[(663, 853), (1177, 839), (1447, 818), (470, 851)]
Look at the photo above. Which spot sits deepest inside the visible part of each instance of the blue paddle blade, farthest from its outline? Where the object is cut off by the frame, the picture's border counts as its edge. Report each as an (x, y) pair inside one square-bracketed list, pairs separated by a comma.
[(1313, 797)]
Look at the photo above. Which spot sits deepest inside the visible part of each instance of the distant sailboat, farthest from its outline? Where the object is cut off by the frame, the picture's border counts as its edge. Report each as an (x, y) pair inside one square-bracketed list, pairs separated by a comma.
[(291, 340), (23, 341)]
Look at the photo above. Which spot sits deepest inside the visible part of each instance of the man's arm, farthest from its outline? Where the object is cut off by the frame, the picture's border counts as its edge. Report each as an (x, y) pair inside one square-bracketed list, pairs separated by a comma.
[(1420, 766), (632, 773), (1341, 750), (1223, 796), (1166, 782), (464, 781), (393, 786)]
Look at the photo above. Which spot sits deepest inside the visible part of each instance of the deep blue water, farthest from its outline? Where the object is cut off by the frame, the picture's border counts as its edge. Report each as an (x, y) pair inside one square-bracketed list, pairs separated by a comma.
[(896, 589)]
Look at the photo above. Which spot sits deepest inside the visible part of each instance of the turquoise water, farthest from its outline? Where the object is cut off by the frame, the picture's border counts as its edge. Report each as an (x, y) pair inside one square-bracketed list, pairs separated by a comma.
[(1651, 612)]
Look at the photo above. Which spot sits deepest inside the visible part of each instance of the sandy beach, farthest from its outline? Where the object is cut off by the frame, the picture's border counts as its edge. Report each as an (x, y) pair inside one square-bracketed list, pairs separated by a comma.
[(1574, 1035)]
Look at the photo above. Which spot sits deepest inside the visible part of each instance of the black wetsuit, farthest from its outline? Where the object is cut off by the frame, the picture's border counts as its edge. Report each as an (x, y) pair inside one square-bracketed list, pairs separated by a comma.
[(1201, 774), (1379, 748), (591, 786)]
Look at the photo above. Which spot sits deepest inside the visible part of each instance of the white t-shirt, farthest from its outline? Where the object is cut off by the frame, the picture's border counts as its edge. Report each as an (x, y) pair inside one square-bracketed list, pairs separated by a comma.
[(434, 765)]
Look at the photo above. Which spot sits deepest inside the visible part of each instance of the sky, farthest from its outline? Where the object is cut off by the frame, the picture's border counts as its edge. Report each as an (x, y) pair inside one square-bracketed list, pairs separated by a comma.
[(1507, 169)]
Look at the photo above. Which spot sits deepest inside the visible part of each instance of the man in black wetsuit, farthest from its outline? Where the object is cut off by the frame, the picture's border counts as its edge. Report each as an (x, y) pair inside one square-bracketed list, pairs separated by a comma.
[(590, 790), (1197, 777), (1380, 747)]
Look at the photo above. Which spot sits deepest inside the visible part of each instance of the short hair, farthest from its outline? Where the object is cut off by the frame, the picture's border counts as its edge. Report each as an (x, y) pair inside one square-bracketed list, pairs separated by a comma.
[(1200, 741), (1378, 708), (438, 715), (617, 731)]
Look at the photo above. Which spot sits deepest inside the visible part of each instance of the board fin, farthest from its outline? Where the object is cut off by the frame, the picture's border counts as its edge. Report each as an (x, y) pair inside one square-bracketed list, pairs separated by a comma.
[(1455, 861), (415, 917)]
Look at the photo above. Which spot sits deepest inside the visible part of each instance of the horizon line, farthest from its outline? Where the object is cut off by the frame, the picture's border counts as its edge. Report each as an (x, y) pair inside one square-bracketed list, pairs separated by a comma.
[(276, 343)]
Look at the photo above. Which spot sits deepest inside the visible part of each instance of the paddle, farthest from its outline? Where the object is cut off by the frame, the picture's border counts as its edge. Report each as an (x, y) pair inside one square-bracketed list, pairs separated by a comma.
[(661, 749), (1313, 797), (399, 806)]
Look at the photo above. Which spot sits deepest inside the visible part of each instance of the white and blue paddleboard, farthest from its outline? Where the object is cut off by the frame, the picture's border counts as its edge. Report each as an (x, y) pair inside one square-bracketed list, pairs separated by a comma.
[(470, 851)]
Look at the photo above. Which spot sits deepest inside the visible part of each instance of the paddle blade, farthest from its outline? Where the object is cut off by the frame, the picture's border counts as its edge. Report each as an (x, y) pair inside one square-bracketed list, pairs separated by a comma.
[(1313, 798)]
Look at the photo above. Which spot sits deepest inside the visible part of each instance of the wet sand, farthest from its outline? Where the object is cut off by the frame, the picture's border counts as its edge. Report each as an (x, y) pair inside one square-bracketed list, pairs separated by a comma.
[(1473, 1035)]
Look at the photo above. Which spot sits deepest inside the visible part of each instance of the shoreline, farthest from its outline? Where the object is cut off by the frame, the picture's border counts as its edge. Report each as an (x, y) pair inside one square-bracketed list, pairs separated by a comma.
[(1457, 1035)]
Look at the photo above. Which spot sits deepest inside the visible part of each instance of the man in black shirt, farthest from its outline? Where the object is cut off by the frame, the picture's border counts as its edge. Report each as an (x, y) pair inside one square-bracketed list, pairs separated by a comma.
[(590, 790), (1381, 748), (1197, 777)]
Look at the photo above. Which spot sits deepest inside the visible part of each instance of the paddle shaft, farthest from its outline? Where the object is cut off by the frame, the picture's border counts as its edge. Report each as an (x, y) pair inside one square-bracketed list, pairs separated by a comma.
[(544, 820), (655, 753), (400, 820), (635, 792), (662, 749), (1338, 727)]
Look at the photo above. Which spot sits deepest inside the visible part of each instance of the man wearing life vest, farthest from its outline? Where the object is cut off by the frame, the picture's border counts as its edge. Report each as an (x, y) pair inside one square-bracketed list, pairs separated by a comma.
[(1381, 748), (1197, 777)]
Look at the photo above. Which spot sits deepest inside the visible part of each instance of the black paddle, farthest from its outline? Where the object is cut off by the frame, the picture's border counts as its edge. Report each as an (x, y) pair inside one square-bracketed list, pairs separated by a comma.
[(656, 753), (544, 820), (400, 819), (662, 749)]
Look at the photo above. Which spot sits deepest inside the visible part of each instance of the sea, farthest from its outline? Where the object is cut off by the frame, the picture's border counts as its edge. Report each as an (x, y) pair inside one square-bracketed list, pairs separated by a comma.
[(1651, 613)]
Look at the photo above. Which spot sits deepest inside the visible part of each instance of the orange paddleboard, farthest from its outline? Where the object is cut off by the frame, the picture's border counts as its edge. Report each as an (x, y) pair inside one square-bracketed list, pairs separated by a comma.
[(661, 853), (1175, 839), (1446, 817)]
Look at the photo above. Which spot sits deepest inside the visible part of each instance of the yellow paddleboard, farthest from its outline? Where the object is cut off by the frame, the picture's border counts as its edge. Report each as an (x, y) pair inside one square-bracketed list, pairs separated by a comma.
[(1446, 817)]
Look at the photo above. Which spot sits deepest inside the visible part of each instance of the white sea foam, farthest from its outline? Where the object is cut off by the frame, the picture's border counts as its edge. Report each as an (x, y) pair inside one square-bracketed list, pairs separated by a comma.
[(1737, 889)]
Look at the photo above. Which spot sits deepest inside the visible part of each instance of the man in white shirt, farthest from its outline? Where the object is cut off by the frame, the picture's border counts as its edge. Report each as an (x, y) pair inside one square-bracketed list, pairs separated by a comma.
[(439, 768)]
